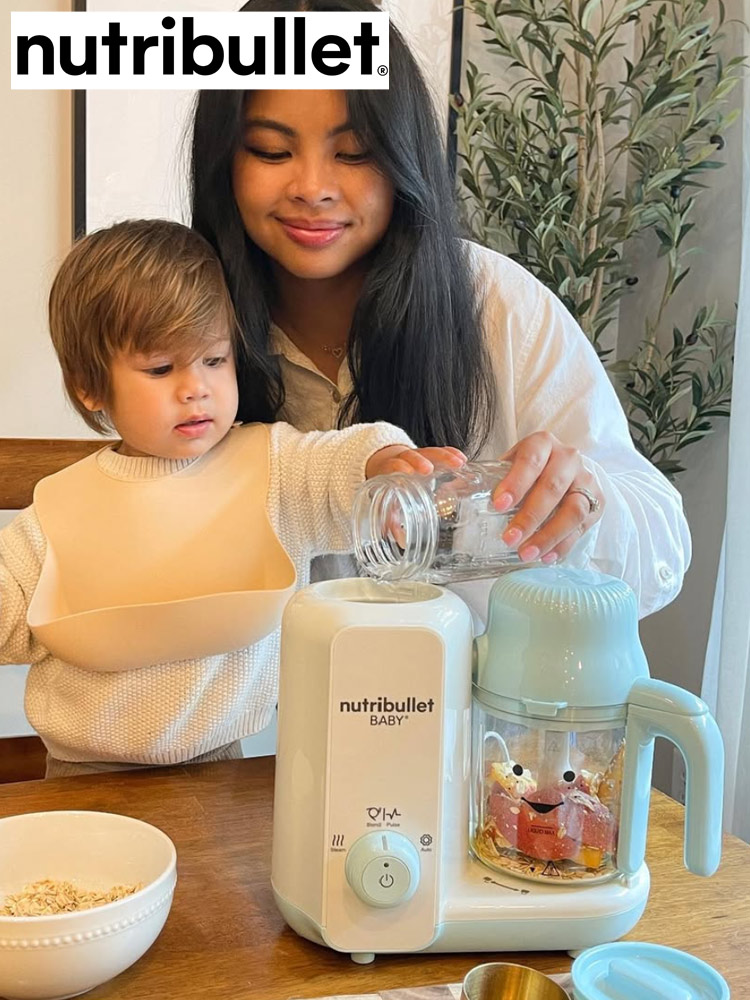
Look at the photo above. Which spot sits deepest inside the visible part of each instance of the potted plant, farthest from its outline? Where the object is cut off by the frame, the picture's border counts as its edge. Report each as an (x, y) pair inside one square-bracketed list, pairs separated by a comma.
[(587, 149)]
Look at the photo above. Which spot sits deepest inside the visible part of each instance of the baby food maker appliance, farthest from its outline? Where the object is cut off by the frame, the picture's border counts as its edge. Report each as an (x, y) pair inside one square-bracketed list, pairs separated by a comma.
[(440, 793)]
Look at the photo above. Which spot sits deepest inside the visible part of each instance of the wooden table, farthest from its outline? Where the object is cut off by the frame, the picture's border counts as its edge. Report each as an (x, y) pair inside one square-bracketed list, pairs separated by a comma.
[(224, 938)]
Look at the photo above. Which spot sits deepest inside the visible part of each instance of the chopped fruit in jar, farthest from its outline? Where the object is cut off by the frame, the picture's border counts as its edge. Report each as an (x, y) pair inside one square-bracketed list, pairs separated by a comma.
[(504, 810), (552, 824), (492, 838), (611, 783), (549, 827), (599, 826), (590, 857), (589, 781), (492, 848), (514, 778)]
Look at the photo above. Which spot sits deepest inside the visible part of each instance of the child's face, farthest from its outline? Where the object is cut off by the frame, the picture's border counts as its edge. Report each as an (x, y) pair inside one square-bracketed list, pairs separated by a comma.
[(169, 409), (308, 194)]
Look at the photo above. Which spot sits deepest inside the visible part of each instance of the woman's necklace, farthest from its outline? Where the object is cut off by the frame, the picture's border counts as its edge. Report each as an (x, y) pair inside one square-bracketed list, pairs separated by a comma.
[(335, 352)]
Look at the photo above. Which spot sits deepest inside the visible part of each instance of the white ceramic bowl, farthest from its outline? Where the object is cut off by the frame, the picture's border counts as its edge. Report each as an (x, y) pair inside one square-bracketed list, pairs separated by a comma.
[(52, 957)]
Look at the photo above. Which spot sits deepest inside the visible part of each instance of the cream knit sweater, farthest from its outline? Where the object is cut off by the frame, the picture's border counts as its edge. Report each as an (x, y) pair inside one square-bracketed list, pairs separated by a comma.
[(171, 712)]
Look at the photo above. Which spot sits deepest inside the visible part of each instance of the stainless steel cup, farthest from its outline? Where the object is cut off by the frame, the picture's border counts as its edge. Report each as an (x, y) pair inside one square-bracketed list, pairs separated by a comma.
[(504, 981)]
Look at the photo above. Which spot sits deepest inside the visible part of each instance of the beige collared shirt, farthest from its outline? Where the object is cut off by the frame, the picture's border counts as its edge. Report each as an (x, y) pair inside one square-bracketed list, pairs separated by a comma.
[(312, 401)]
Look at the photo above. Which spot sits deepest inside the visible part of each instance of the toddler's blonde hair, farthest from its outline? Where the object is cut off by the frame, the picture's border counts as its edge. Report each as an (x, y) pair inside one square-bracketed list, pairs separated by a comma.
[(144, 286)]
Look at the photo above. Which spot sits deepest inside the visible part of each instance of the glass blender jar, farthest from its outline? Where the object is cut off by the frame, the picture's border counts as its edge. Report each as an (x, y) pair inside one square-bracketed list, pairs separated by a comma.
[(547, 800), (564, 716)]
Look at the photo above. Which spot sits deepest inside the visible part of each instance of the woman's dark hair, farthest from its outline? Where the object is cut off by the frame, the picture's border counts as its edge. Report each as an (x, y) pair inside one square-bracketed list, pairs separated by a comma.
[(416, 348)]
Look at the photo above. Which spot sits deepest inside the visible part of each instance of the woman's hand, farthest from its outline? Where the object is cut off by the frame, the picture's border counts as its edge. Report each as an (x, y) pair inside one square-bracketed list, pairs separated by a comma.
[(412, 461), (543, 479)]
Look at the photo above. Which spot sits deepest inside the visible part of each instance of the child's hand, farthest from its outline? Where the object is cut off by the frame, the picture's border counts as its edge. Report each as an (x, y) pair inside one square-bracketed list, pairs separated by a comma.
[(412, 461)]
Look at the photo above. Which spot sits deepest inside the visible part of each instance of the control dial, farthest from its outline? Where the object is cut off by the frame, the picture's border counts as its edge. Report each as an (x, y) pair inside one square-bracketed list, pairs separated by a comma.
[(383, 868)]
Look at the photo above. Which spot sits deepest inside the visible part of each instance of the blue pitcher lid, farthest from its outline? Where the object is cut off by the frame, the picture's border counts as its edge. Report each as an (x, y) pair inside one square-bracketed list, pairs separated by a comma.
[(560, 636), (639, 971)]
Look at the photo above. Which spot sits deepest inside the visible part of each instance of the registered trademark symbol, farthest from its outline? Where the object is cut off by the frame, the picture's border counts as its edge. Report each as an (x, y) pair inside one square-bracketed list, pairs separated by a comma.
[(382, 71)]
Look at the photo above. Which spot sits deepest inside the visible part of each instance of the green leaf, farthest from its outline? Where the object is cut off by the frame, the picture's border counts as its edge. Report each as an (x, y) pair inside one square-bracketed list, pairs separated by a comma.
[(664, 238), (680, 277), (495, 171), (719, 411), (630, 8), (697, 390), (670, 468), (587, 12), (638, 426), (580, 47), (620, 368), (468, 178), (690, 437)]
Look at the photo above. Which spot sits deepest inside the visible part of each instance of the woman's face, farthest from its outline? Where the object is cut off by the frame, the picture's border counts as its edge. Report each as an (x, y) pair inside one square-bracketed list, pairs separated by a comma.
[(308, 194)]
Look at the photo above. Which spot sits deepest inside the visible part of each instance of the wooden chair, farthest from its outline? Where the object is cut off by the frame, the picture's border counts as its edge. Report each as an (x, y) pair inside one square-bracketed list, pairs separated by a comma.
[(23, 462)]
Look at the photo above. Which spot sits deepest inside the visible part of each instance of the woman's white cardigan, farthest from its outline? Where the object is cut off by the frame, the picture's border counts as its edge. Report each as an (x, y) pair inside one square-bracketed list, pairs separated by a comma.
[(548, 378)]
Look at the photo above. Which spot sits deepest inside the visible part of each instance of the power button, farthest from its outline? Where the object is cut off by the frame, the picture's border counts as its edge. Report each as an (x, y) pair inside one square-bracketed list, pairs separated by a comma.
[(386, 881), (383, 869)]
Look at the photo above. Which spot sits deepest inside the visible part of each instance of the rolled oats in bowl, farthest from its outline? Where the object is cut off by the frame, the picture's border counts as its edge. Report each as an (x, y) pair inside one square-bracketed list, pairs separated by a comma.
[(82, 896), (48, 896)]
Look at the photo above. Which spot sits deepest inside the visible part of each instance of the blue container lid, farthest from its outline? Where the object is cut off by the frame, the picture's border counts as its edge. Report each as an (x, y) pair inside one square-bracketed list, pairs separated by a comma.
[(562, 638), (632, 970)]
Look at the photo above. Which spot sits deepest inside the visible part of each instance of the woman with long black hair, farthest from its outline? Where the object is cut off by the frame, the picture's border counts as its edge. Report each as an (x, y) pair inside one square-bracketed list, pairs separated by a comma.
[(334, 216)]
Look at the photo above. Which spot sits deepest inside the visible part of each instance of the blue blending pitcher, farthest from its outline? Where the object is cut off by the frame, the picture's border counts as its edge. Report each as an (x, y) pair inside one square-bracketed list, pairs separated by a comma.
[(564, 721)]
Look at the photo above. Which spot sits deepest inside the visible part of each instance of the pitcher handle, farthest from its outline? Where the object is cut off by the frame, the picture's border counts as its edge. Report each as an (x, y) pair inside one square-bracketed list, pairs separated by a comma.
[(656, 708)]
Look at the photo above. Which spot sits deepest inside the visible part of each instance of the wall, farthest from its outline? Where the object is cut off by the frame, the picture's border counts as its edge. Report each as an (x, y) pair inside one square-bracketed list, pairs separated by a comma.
[(35, 212), (427, 26)]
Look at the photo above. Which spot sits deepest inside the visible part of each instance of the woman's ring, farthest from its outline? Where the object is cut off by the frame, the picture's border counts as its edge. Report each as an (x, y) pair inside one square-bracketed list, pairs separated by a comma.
[(594, 502)]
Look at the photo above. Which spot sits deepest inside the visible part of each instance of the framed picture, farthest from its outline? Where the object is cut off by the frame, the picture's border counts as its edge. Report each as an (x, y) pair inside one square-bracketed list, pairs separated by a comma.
[(131, 148), (455, 77)]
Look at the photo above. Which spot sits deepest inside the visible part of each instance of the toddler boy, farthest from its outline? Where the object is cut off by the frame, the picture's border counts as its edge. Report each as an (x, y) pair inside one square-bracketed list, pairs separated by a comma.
[(145, 584)]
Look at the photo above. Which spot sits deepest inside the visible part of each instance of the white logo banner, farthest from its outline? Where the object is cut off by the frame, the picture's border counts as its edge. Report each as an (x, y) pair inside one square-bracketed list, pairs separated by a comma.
[(146, 50)]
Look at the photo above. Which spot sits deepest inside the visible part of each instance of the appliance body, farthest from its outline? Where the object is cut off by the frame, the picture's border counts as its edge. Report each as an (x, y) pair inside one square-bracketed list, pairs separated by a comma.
[(373, 783)]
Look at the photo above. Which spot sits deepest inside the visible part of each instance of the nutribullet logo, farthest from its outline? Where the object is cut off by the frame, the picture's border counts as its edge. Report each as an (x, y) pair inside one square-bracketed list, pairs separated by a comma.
[(388, 712), (198, 50)]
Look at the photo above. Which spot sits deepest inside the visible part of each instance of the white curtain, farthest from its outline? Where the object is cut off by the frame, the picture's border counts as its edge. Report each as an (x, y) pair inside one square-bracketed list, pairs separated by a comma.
[(726, 684)]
